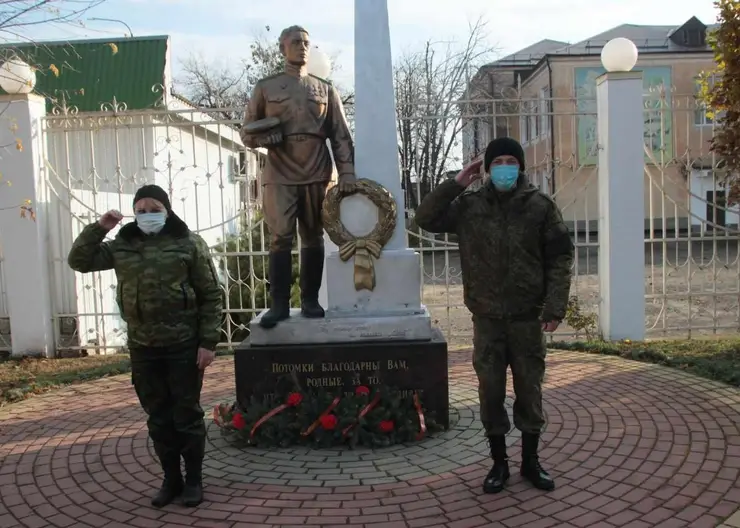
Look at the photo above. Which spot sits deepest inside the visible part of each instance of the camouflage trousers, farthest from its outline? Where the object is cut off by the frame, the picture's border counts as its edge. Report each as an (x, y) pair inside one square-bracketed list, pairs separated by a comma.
[(168, 383), (497, 345)]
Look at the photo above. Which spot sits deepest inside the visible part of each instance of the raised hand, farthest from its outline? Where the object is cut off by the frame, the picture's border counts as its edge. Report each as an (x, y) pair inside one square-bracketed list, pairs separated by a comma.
[(470, 173), (110, 219)]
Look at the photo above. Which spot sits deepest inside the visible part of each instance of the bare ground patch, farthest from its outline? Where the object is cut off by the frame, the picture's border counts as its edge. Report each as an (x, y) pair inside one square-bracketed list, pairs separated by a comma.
[(680, 303)]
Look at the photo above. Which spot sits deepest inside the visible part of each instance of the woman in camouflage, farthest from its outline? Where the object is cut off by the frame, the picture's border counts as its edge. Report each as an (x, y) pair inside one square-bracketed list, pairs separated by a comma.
[(169, 296)]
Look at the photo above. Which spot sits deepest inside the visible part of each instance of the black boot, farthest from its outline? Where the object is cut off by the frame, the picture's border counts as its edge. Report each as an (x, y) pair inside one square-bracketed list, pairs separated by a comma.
[(193, 455), (281, 277), (172, 486), (531, 468), (312, 268), (499, 474)]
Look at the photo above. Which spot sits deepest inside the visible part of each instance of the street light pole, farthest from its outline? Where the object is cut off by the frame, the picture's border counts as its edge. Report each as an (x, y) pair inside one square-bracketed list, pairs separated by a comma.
[(131, 33)]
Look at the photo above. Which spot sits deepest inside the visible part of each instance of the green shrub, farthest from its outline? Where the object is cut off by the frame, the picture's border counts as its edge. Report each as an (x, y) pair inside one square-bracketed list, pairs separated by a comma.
[(244, 264)]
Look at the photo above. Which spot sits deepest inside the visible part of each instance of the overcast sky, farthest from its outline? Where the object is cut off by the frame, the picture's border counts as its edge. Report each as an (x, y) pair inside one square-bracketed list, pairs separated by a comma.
[(221, 29)]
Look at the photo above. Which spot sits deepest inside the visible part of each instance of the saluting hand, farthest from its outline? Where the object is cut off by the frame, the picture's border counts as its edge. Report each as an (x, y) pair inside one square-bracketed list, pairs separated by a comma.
[(110, 219), (470, 173)]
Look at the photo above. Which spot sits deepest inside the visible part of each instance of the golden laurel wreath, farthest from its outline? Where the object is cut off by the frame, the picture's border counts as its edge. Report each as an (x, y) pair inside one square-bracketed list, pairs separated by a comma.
[(368, 247)]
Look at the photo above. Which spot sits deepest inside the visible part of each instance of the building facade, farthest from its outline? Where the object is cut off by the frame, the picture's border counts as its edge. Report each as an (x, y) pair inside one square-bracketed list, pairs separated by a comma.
[(545, 96)]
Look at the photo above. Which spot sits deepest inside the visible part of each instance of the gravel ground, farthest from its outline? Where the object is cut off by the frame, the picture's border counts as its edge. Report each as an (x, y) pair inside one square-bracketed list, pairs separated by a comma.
[(670, 312)]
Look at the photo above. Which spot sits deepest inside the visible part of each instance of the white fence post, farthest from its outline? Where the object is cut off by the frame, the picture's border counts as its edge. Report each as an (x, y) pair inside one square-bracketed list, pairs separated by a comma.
[(621, 205), (24, 240)]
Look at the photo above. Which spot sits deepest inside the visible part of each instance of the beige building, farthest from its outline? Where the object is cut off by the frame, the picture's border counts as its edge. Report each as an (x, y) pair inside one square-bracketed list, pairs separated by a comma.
[(544, 96)]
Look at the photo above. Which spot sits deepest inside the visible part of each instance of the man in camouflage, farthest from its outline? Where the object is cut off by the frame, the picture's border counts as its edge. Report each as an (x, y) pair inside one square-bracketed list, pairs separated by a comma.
[(169, 296), (298, 169), (516, 254)]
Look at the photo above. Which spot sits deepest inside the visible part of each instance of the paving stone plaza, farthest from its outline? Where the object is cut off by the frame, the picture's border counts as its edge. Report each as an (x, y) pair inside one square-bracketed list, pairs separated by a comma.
[(629, 444)]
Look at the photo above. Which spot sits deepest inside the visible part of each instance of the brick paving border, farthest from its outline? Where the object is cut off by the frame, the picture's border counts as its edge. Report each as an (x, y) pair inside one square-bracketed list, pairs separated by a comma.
[(629, 444)]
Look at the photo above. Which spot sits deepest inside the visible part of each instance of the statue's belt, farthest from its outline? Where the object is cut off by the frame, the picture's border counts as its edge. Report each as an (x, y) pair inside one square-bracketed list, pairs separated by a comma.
[(304, 137)]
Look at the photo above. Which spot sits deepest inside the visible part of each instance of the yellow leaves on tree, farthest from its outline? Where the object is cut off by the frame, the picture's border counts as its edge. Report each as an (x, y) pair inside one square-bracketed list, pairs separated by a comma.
[(720, 91), (113, 47), (53, 69)]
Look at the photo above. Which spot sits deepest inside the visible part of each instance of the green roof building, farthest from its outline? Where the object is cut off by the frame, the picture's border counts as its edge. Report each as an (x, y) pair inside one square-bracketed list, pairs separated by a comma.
[(89, 73)]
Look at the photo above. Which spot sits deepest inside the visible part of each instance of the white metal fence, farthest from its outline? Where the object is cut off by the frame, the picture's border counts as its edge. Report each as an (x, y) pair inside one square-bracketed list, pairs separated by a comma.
[(96, 161)]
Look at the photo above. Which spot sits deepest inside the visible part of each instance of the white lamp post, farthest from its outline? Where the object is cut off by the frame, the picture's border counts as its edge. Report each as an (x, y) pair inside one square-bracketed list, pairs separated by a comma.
[(619, 55), (319, 63), (621, 177), (17, 77)]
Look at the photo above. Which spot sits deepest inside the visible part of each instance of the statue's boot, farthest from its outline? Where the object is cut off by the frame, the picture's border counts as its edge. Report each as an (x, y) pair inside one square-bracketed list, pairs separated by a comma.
[(280, 275), (312, 269)]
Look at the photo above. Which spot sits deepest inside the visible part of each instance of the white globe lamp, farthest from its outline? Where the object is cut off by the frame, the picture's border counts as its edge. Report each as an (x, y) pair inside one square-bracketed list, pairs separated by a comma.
[(619, 55), (319, 64), (17, 77)]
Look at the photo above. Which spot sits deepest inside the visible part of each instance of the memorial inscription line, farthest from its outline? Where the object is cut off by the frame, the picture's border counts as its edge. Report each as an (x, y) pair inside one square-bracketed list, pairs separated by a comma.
[(343, 366), (355, 368)]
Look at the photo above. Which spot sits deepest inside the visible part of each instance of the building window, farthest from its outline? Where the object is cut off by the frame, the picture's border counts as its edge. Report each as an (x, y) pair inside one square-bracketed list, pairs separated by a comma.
[(232, 168), (523, 128), (475, 140), (700, 114), (544, 111), (701, 118), (534, 121), (484, 135)]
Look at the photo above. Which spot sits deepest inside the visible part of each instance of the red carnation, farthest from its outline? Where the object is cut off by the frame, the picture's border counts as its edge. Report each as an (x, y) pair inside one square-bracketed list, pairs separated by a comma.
[(294, 399), (328, 422), (386, 426), (362, 391), (238, 421)]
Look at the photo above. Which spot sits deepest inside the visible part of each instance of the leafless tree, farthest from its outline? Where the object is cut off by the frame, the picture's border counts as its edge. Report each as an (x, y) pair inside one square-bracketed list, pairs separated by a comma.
[(215, 85), (20, 21), (429, 85), (19, 17), (228, 86)]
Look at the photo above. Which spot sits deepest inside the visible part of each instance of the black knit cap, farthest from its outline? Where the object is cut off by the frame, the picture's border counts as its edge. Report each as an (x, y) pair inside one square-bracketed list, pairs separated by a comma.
[(155, 192), (504, 146)]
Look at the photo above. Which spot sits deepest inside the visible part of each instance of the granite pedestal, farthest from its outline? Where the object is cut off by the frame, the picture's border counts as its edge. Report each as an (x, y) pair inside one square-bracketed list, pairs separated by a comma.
[(339, 328), (311, 357)]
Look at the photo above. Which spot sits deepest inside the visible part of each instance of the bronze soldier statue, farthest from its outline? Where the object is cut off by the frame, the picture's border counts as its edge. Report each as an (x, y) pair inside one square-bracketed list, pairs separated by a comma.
[(292, 114)]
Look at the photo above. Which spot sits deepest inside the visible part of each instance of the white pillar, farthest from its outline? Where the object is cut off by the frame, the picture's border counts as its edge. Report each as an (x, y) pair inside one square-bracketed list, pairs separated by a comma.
[(621, 205), (398, 272), (25, 265)]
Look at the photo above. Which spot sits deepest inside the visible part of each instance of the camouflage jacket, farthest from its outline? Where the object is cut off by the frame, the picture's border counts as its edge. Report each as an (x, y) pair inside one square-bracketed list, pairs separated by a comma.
[(515, 250), (168, 291)]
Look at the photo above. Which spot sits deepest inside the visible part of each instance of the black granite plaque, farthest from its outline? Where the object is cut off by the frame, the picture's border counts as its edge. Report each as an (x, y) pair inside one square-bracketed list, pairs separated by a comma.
[(402, 365)]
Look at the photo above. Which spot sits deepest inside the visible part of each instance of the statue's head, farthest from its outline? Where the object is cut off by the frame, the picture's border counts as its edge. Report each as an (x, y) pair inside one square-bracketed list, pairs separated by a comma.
[(294, 45)]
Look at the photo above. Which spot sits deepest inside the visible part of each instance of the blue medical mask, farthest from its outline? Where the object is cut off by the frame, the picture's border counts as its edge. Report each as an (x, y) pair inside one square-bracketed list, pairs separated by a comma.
[(504, 177), (151, 223)]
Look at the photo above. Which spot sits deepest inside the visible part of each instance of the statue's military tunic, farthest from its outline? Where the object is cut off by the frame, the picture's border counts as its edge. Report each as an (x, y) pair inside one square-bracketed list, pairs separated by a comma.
[(299, 169)]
